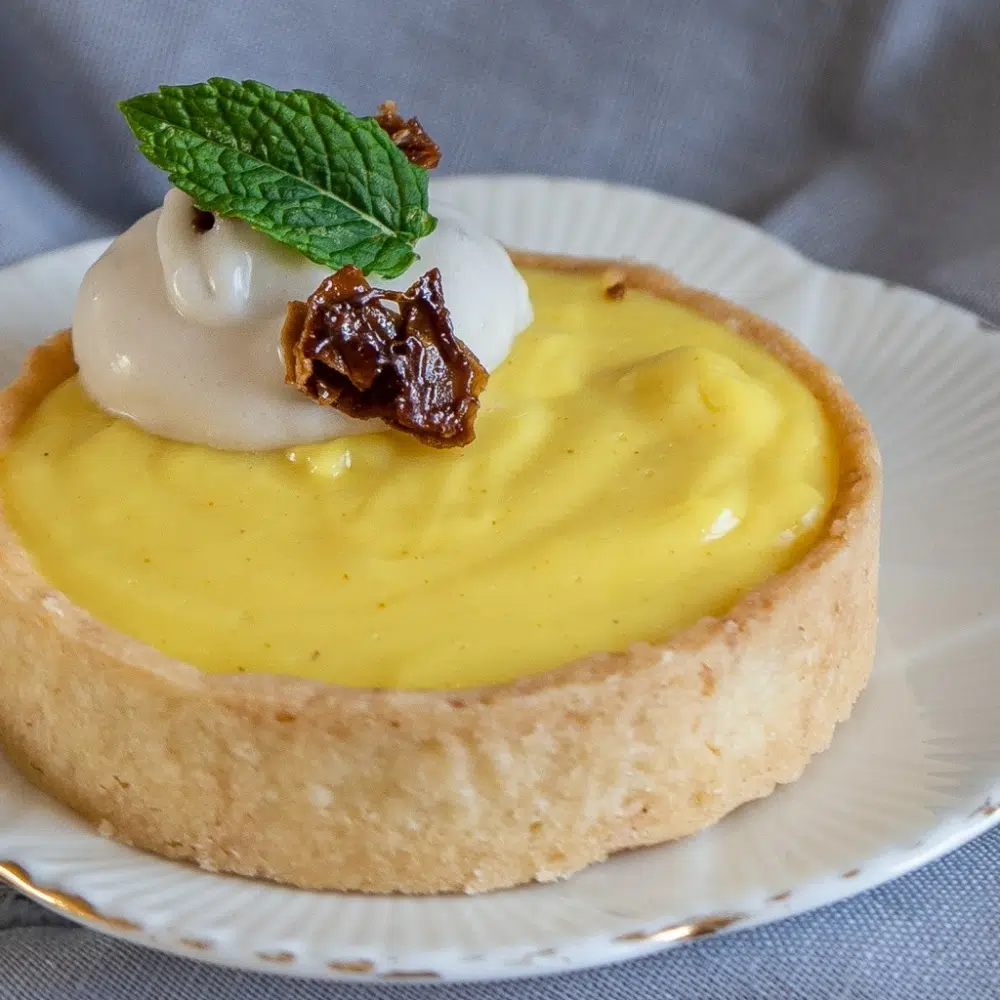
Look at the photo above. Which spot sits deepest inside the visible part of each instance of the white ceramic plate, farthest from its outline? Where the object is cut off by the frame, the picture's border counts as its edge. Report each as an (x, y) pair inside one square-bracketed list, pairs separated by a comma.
[(914, 773)]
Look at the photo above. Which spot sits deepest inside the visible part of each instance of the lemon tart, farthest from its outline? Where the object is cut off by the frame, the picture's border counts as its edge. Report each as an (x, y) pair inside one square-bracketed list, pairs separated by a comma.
[(465, 579), (488, 763)]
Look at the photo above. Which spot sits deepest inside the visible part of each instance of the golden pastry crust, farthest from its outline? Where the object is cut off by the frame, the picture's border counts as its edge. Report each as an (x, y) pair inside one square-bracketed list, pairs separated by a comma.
[(431, 791)]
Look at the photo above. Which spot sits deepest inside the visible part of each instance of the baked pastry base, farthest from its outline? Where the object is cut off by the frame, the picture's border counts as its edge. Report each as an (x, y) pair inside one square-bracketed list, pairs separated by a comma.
[(431, 791)]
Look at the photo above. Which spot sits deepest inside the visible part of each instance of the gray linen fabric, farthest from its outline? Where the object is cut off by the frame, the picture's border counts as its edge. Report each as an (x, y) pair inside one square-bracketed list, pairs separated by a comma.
[(865, 132)]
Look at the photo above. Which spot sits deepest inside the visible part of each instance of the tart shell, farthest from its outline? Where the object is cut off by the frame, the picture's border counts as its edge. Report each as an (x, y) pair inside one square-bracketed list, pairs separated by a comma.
[(382, 791)]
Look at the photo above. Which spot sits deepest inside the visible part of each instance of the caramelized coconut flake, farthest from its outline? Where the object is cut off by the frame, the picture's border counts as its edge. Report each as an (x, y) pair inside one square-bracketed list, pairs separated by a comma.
[(407, 133), (370, 352)]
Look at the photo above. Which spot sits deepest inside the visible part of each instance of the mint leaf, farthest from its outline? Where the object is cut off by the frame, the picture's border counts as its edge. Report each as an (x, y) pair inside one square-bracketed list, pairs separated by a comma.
[(295, 165)]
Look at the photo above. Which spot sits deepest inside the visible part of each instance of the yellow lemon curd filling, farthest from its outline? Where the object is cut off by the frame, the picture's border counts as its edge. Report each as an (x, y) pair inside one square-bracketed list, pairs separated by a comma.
[(636, 467)]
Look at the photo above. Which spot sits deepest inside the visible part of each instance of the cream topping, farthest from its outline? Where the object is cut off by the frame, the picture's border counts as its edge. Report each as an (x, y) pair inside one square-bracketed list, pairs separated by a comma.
[(178, 329)]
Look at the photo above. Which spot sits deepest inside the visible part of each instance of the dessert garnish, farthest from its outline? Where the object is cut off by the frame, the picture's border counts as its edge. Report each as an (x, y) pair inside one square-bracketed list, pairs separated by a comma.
[(409, 135), (372, 352), (295, 165), (254, 168)]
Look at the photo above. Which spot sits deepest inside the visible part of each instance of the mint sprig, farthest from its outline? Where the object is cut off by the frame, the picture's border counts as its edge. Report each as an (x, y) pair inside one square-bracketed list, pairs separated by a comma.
[(293, 164)]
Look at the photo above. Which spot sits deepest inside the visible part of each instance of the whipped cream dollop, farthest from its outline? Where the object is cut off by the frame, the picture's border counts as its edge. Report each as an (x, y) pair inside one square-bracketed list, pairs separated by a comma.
[(177, 327)]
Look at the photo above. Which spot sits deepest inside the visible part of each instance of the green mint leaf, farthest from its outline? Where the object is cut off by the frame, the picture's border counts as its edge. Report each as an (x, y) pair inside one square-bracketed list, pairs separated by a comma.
[(295, 165)]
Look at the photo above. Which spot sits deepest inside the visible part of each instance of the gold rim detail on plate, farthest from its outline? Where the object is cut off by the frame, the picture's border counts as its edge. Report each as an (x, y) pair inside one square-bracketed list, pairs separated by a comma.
[(65, 903)]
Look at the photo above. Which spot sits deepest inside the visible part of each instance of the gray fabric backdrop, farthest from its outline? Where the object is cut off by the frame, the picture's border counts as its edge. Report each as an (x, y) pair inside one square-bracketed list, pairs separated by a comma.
[(865, 132)]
